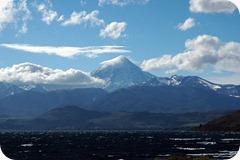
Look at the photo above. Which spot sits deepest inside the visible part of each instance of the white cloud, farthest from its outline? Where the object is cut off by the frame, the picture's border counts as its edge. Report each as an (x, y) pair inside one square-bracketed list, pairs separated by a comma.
[(68, 52), (114, 30), (7, 12), (121, 2), (48, 15), (36, 74), (201, 53), (83, 17), (211, 6), (188, 24), (25, 15), (16, 12)]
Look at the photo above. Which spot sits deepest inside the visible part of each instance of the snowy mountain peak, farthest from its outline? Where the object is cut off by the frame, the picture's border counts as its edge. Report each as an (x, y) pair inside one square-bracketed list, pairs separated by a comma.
[(197, 81), (193, 81), (188, 81), (116, 62), (120, 72)]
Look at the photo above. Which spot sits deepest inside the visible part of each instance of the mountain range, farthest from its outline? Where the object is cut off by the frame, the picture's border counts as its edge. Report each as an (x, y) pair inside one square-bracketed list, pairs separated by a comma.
[(127, 88)]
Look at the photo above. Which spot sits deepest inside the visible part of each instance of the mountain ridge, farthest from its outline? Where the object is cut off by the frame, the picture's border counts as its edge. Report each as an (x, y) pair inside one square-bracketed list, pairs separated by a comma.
[(119, 73), (128, 89)]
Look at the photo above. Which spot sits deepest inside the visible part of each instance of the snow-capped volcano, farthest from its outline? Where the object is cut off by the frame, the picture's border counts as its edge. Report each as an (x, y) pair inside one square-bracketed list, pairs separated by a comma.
[(120, 72)]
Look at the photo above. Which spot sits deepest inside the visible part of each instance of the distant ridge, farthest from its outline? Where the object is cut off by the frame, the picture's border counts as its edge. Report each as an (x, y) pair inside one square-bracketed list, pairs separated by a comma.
[(75, 118)]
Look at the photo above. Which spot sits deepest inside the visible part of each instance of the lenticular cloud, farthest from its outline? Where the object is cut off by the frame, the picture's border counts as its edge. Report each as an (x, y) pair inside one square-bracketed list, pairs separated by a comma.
[(66, 51)]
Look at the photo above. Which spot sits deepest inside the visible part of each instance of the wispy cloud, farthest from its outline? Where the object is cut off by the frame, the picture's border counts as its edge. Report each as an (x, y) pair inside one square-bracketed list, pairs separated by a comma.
[(211, 6), (187, 24), (121, 2), (68, 52), (201, 53)]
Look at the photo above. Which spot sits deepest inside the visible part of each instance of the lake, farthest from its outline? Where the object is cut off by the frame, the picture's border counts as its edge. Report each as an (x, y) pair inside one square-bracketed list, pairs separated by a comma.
[(104, 145)]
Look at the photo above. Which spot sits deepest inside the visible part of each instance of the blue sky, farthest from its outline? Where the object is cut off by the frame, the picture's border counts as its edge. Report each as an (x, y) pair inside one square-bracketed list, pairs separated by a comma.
[(144, 31)]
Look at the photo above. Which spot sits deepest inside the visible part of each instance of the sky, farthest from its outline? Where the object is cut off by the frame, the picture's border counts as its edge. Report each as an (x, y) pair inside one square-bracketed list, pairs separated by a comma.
[(51, 40)]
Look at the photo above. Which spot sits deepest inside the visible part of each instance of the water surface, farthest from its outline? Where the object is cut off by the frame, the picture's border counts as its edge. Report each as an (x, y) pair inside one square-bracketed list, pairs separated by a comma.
[(117, 145)]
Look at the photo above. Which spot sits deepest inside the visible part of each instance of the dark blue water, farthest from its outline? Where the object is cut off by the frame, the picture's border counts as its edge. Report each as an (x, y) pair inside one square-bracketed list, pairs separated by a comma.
[(116, 145)]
